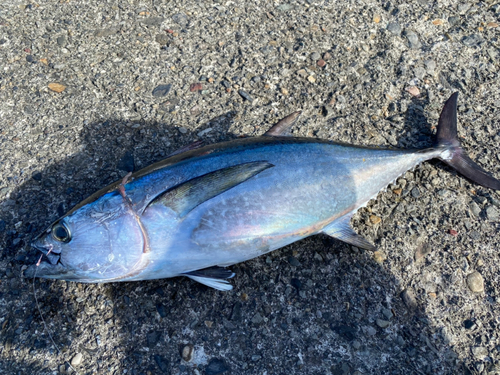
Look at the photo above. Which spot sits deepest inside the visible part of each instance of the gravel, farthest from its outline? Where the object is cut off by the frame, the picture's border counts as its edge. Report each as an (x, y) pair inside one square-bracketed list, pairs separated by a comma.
[(92, 90)]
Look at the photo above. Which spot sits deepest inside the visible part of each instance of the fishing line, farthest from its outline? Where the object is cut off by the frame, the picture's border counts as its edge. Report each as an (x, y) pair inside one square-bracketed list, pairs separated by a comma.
[(43, 320)]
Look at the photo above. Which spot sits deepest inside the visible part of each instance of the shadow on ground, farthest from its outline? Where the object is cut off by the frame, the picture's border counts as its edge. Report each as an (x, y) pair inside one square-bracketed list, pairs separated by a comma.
[(310, 308)]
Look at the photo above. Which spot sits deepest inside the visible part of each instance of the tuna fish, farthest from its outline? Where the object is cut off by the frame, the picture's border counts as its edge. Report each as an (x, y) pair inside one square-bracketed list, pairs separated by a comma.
[(207, 208)]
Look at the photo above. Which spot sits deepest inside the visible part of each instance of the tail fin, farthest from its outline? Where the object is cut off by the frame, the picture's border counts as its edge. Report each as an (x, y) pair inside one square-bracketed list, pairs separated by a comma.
[(447, 138)]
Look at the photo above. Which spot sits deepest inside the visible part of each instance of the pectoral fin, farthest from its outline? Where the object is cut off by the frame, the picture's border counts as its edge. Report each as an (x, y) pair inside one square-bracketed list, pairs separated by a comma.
[(341, 230), (185, 197), (214, 277)]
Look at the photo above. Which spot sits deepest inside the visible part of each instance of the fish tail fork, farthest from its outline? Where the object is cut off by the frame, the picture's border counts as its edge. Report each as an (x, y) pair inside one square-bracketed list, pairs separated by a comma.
[(453, 154)]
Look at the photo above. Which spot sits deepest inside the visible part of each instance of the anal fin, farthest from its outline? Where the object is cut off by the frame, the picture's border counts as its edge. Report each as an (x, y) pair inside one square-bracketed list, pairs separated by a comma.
[(341, 230), (214, 277)]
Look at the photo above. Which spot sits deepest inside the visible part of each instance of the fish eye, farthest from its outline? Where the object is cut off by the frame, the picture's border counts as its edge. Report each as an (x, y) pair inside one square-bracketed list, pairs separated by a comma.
[(60, 232)]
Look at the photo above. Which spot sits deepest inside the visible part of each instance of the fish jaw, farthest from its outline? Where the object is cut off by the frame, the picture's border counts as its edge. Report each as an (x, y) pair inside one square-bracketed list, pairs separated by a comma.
[(49, 271)]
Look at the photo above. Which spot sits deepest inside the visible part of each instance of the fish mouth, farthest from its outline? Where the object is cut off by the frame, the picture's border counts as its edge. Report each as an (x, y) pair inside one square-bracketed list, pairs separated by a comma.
[(49, 266), (50, 254)]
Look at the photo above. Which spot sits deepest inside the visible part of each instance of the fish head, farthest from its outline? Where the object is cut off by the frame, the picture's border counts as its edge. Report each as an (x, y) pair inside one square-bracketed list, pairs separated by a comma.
[(100, 241)]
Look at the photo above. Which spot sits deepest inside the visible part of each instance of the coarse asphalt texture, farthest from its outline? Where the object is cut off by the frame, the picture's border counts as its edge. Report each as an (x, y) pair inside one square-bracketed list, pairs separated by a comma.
[(90, 90)]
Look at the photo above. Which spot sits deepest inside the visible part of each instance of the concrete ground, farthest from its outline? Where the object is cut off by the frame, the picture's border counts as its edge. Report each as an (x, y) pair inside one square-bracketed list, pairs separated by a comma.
[(92, 89)]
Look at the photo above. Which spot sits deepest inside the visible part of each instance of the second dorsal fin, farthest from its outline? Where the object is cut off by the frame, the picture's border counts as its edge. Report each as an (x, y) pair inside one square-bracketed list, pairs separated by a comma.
[(186, 196)]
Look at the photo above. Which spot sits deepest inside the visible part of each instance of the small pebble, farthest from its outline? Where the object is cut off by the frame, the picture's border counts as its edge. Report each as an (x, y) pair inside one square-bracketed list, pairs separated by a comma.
[(311, 79), (394, 28), (370, 331), (387, 313), (379, 257), (430, 66), (162, 39), (77, 360), (161, 310), (257, 319), (215, 367), (492, 213), (183, 130), (56, 87), (475, 209), (421, 251), (161, 90), (245, 95), (375, 219), (204, 131), (414, 91), (479, 352), (473, 40), (469, 324), (293, 261), (413, 40), (420, 72), (195, 87), (454, 20), (321, 63), (327, 56), (285, 7), (180, 19), (302, 72), (475, 282), (409, 299), (296, 283), (61, 41), (383, 323), (161, 363), (187, 353), (315, 56)]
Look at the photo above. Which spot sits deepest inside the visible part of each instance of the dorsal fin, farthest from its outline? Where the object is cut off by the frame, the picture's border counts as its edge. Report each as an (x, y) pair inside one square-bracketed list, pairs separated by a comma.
[(185, 197), (283, 127)]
